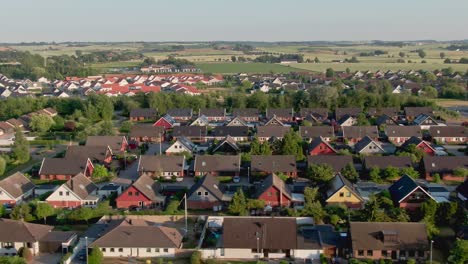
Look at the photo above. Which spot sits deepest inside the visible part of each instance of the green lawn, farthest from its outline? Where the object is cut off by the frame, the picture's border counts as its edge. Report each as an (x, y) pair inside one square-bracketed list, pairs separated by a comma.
[(116, 64), (374, 66), (244, 68)]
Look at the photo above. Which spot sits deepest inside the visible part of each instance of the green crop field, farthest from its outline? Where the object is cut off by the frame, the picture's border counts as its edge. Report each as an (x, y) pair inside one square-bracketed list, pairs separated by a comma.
[(230, 68), (375, 66)]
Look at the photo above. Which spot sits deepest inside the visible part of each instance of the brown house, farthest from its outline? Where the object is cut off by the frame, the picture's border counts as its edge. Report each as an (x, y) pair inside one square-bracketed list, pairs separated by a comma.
[(282, 114), (247, 114), (64, 169), (309, 133), (412, 112), (147, 133), (116, 143), (266, 133), (390, 240), (193, 133), (264, 165), (142, 114), (449, 134), (353, 134), (445, 166), (162, 166), (399, 134)]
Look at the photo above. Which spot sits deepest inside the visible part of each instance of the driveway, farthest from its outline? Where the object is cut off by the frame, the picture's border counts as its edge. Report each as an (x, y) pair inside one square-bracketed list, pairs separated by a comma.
[(153, 149), (47, 258), (453, 149), (127, 176)]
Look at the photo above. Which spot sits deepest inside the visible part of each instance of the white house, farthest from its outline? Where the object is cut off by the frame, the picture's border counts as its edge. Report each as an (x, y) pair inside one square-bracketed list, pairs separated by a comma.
[(15, 188), (76, 192)]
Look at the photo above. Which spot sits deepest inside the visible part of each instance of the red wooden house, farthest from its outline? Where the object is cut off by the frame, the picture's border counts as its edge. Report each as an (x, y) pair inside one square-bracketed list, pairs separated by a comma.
[(419, 143), (166, 121), (319, 146), (143, 193), (274, 192)]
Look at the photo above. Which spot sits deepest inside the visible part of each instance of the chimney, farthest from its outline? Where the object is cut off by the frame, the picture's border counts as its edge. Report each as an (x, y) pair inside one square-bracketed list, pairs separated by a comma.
[(71, 183)]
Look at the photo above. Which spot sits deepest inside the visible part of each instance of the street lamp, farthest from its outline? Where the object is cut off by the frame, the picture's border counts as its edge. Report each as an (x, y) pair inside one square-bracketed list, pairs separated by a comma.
[(86, 248), (430, 261)]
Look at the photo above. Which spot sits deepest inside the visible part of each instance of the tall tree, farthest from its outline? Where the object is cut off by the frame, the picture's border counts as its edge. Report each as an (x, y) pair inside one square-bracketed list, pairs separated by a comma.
[(350, 173), (96, 256), (44, 210), (2, 165), (41, 123), (320, 173), (292, 145), (459, 252), (238, 205), (20, 149)]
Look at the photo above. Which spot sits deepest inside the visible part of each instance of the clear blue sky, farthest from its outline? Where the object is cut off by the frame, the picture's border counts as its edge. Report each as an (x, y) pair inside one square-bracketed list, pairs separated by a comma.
[(256, 20)]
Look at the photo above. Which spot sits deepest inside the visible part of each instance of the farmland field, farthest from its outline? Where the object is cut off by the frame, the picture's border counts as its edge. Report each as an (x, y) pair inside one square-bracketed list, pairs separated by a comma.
[(245, 68), (374, 66)]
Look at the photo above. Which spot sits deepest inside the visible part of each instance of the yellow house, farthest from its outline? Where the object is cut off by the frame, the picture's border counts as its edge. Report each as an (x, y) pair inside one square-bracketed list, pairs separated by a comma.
[(341, 191)]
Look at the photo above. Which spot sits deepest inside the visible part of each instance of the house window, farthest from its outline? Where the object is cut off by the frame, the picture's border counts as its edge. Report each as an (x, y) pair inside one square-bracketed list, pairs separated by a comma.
[(137, 193), (341, 194), (8, 245), (103, 249), (206, 193), (348, 194), (269, 193), (120, 249), (402, 253), (420, 253), (156, 250), (384, 253), (61, 193), (199, 193), (148, 250), (166, 250), (360, 253), (130, 194), (370, 253), (411, 253), (67, 193), (112, 250)]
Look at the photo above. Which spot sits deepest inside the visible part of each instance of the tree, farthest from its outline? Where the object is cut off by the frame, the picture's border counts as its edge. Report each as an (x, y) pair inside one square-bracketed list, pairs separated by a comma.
[(100, 172), (459, 252), (410, 171), (172, 207), (20, 149), (238, 205), (22, 212), (126, 126), (350, 173), (316, 60), (96, 256), (41, 123), (312, 206), (421, 53), (330, 73), (25, 253), (2, 166), (43, 210), (12, 260), (195, 258), (445, 213), (442, 55), (460, 172), (2, 210), (401, 54), (320, 173), (233, 58), (106, 129), (85, 213), (429, 91), (292, 145), (390, 173)]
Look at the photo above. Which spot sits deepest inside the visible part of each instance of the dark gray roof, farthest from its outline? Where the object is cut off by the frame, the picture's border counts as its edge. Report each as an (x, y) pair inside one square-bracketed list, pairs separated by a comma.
[(161, 163), (16, 184), (273, 163), (148, 187), (180, 112), (402, 188), (272, 131), (19, 231), (317, 141), (114, 142), (444, 164), (360, 131), (316, 131), (143, 112), (99, 153), (210, 163), (351, 111), (448, 131), (403, 131), (212, 112), (279, 112), (363, 143), (388, 111), (317, 113), (228, 141), (189, 131), (146, 130), (338, 182), (246, 112), (62, 166), (415, 111), (383, 162), (233, 131)]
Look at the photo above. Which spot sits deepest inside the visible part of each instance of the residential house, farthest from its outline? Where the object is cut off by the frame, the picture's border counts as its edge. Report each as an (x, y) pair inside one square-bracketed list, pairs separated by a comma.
[(147, 133), (64, 169), (207, 193), (274, 121), (408, 194), (37, 238), (391, 112), (216, 165), (143, 193), (353, 134), (347, 120), (314, 115), (139, 238), (449, 134), (167, 167), (334, 161), (201, 121), (420, 144), (382, 162), (309, 133), (350, 111), (320, 146), (342, 191), (227, 146), (412, 112), (426, 121), (238, 133), (249, 115), (109, 190), (462, 193), (181, 145), (267, 164), (97, 154), (181, 115), (193, 133), (285, 115), (274, 192), (237, 121), (445, 167), (6, 128), (167, 122), (142, 114), (116, 143), (76, 192), (399, 134), (368, 146), (385, 120), (269, 133), (213, 114), (389, 240), (15, 189)]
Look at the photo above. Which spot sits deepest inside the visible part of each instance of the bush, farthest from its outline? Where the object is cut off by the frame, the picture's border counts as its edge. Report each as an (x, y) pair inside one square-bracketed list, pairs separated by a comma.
[(65, 257), (323, 259), (96, 256), (195, 258), (25, 253)]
